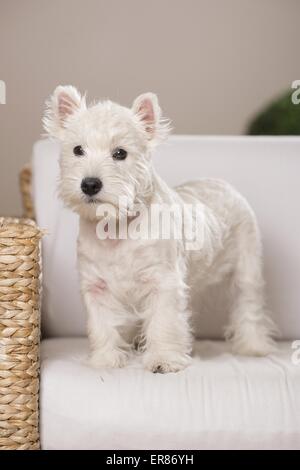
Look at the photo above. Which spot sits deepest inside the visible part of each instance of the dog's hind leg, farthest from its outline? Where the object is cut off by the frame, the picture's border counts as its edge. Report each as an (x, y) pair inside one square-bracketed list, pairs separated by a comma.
[(250, 329)]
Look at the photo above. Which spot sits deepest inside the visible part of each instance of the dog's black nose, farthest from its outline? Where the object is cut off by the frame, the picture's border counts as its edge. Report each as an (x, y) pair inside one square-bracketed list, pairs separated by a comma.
[(91, 186)]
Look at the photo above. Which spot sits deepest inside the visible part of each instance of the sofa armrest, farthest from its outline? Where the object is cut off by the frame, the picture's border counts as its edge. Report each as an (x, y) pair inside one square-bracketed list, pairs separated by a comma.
[(19, 333)]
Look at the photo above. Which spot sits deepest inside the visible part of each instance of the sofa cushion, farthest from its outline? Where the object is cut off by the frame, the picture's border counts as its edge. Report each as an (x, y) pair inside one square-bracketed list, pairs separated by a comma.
[(265, 170), (219, 402)]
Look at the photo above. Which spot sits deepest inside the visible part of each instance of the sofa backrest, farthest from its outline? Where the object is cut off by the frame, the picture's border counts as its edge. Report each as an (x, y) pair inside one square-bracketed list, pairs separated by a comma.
[(265, 169)]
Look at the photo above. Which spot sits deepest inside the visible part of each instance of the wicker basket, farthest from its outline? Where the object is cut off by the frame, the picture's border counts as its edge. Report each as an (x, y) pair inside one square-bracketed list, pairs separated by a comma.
[(25, 188), (19, 333)]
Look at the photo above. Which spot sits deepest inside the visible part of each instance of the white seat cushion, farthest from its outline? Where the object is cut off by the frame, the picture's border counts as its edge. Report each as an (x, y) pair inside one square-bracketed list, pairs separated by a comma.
[(219, 402)]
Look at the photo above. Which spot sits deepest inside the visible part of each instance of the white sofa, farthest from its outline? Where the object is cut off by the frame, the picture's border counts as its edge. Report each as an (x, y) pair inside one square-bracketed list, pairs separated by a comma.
[(221, 401)]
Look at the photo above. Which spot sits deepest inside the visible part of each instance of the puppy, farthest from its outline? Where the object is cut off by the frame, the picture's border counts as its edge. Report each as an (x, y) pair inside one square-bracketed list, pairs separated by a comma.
[(131, 285)]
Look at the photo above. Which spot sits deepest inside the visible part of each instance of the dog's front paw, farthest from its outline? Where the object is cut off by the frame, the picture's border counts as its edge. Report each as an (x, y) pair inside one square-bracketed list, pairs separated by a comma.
[(260, 345), (164, 363), (108, 359)]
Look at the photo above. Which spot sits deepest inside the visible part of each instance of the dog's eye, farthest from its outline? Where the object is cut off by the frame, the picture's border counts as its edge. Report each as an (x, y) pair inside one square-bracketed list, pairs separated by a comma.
[(78, 150), (119, 154)]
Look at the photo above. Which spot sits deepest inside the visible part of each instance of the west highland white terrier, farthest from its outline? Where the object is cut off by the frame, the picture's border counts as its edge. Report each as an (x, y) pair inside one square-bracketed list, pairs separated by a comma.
[(131, 285)]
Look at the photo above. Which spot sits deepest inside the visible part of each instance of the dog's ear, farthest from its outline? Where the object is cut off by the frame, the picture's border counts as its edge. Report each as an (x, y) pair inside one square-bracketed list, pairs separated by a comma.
[(147, 109), (64, 103)]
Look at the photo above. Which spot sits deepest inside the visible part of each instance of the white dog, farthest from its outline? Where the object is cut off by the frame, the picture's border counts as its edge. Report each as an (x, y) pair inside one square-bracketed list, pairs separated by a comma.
[(128, 284)]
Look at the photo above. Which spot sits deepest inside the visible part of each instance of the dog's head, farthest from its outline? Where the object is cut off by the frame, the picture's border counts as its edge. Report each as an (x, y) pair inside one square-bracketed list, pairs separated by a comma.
[(105, 148)]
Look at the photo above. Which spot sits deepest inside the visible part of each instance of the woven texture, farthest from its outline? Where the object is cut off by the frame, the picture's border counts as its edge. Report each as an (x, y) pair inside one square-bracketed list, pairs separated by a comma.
[(19, 333), (25, 187)]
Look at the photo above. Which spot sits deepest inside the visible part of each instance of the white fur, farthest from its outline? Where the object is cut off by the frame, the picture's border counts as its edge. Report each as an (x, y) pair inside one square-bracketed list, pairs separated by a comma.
[(141, 287)]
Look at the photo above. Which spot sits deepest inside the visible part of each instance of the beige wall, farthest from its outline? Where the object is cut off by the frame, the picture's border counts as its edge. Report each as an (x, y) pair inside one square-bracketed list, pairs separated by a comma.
[(212, 62)]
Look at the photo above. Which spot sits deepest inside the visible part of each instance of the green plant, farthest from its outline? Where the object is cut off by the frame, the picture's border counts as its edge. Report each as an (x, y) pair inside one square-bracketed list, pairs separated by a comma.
[(281, 117)]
